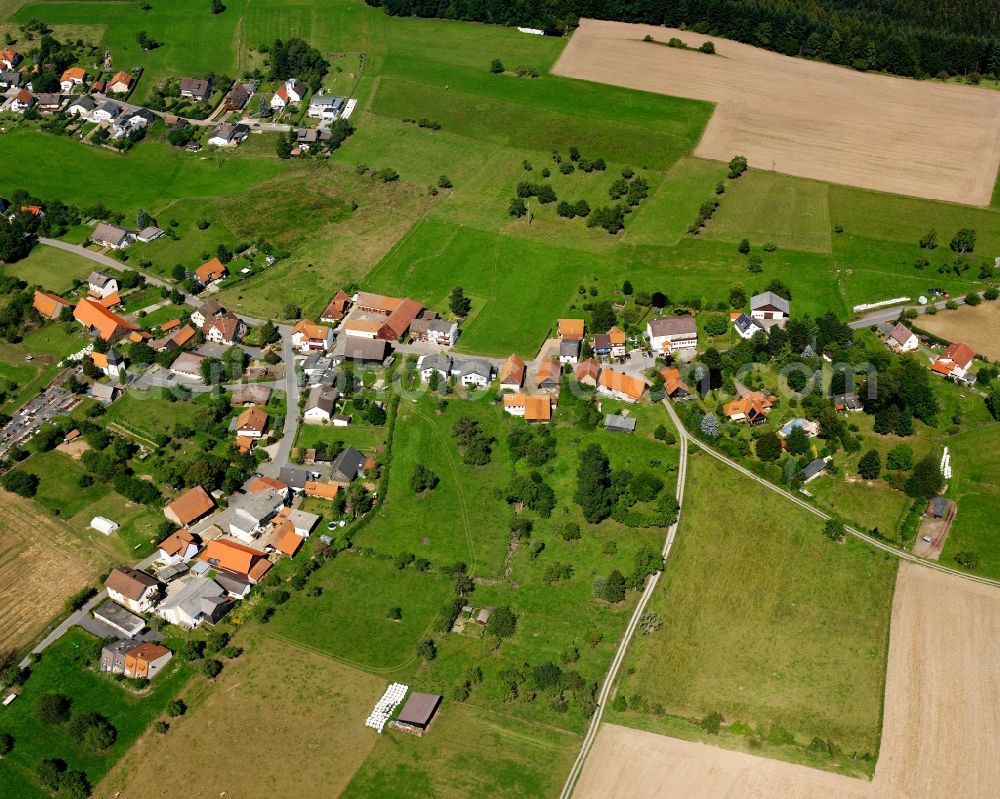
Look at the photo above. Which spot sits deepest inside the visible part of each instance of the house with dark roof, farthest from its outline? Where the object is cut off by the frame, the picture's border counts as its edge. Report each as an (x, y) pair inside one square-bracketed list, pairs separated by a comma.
[(813, 470), (746, 326), (320, 405), (195, 88), (419, 711), (119, 619), (569, 350), (347, 466), (133, 589), (901, 339), (113, 236), (226, 135), (473, 372), (439, 363)]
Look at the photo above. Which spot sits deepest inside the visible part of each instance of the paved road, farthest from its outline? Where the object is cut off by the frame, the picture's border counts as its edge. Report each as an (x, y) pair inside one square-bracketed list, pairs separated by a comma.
[(253, 122), (291, 427), (640, 608), (892, 314), (103, 260)]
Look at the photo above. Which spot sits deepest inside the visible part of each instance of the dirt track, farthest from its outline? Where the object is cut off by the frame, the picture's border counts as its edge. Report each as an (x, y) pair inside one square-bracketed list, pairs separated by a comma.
[(807, 118), (941, 732)]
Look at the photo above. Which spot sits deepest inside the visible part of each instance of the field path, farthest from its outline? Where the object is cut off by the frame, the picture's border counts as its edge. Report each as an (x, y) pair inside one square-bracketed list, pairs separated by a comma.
[(807, 118)]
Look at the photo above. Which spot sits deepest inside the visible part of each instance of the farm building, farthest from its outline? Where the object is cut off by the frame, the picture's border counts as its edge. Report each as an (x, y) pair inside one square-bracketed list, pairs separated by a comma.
[(419, 711), (103, 525)]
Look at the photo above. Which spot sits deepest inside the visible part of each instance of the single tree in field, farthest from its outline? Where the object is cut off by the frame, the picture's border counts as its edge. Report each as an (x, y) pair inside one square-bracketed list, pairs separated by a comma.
[(496, 66), (744, 247), (459, 304), (833, 530), (964, 240), (870, 465), (929, 240)]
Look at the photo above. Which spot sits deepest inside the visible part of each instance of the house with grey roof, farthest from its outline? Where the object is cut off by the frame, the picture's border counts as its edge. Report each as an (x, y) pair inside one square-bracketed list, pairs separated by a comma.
[(10, 79), (439, 362), (746, 326), (364, 350), (325, 107), (768, 305), (473, 372), (113, 236), (195, 88), (193, 601), (320, 405), (346, 466), (619, 424), (120, 619), (569, 350), (813, 470), (252, 511), (295, 477), (226, 135), (108, 111), (81, 106)]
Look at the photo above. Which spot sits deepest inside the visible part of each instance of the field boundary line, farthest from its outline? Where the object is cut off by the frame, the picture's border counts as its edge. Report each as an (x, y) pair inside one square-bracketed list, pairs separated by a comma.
[(385, 259)]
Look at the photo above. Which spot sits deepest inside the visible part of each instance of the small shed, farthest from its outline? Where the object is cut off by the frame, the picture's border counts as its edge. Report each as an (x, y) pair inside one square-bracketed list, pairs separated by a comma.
[(103, 525), (484, 616), (619, 424), (937, 508), (419, 710)]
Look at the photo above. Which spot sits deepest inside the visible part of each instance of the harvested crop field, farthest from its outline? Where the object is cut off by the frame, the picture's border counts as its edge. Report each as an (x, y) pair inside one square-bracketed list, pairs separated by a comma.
[(978, 326), (33, 548), (807, 118), (292, 720), (941, 727), (634, 764)]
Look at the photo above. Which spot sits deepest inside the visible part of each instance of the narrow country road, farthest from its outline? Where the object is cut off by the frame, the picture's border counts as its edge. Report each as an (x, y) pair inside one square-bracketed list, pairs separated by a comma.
[(103, 260), (633, 624), (892, 314), (291, 427)]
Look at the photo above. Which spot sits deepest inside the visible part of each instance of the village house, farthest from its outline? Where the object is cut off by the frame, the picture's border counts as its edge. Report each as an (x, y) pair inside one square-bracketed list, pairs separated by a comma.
[(149, 233), (99, 321), (570, 329), (177, 339), (620, 386), (429, 364), (117, 238), (954, 362), (10, 79), (21, 101), (899, 338), (9, 58), (347, 466), (49, 102), (146, 660), (548, 375), (178, 547), (226, 135), (325, 107), (205, 312), (49, 306), (251, 394), (188, 364), (265, 483), (120, 83), (849, 402), (193, 601), (112, 363), (189, 507), (113, 655), (672, 385), (769, 306), (290, 92), (435, 331), (473, 373), (362, 351), (752, 408), (318, 490), (587, 372), (210, 272), (233, 557), (237, 97), (320, 404), (813, 470), (133, 589), (668, 334), (610, 344), (569, 350), (252, 512), (226, 329), (337, 309), (306, 137), (308, 337), (361, 328), (251, 423), (302, 523), (71, 79), (398, 322), (104, 392), (746, 327), (83, 105), (108, 111), (535, 408), (195, 88), (101, 285), (512, 373)]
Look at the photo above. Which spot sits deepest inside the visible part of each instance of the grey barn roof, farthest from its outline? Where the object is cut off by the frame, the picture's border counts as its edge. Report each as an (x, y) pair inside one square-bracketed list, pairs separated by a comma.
[(769, 298)]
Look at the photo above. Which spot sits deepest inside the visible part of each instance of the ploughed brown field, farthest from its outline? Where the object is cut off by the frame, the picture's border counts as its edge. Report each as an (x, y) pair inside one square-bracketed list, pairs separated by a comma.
[(941, 728), (978, 326), (933, 140)]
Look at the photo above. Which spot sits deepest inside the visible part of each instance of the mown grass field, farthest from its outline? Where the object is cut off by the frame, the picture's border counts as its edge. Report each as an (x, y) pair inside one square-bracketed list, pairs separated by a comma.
[(767, 622), (46, 345), (63, 670), (975, 489), (52, 269)]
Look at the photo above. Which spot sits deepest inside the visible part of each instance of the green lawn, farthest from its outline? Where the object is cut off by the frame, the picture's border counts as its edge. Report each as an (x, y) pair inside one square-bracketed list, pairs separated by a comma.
[(63, 669), (52, 269), (349, 620), (767, 622), (975, 489), (59, 490), (46, 345)]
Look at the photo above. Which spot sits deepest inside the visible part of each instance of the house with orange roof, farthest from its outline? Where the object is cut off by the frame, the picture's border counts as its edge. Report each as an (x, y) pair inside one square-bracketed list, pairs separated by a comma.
[(618, 341), (337, 309), (180, 337), (9, 58), (265, 483), (169, 325), (245, 444), (146, 660), (512, 373), (548, 375), (21, 101), (366, 302), (178, 547), (99, 321), (530, 407), (361, 328), (189, 507), (752, 408), (230, 556), (571, 329), (285, 539), (672, 385), (226, 329), (120, 83), (620, 386), (319, 490), (49, 306), (71, 78), (111, 300), (399, 321), (251, 423), (588, 371), (137, 336), (210, 272), (309, 337), (954, 362)]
